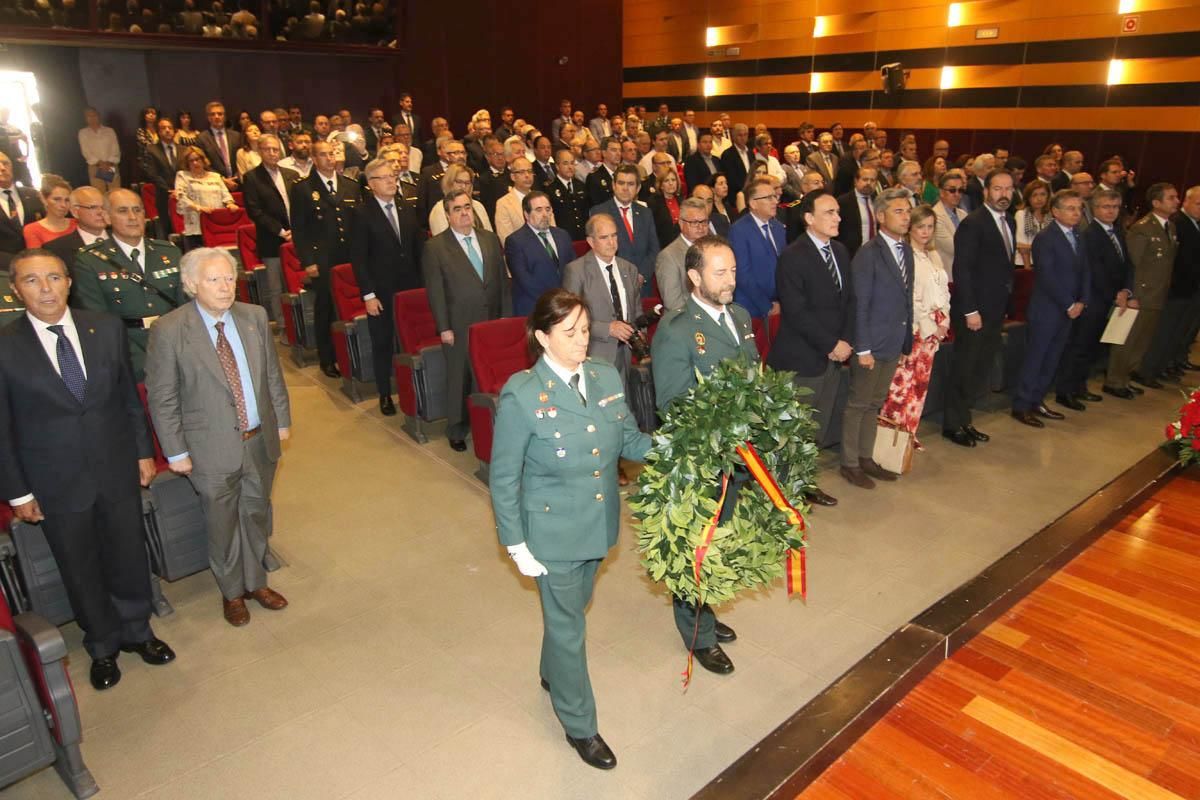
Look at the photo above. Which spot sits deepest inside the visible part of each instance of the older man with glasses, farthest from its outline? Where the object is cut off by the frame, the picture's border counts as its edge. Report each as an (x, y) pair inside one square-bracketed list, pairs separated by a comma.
[(948, 214), (674, 287)]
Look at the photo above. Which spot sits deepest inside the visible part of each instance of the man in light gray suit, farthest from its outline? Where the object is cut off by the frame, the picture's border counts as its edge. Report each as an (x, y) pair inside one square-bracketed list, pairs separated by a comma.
[(220, 408), (609, 284), (674, 286)]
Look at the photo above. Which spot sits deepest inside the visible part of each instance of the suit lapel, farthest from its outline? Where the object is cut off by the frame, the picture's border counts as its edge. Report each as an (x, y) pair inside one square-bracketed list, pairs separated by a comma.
[(710, 324), (199, 342), (249, 334), (48, 369)]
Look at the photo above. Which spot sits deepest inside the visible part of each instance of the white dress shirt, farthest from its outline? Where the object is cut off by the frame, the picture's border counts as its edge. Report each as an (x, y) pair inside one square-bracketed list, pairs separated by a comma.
[(99, 145), (620, 285), (716, 313), (281, 187), (128, 251), (89, 238), (304, 168), (549, 238), (565, 374)]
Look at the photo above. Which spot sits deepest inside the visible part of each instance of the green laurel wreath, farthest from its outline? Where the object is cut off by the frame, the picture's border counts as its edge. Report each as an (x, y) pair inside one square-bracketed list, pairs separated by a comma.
[(677, 492)]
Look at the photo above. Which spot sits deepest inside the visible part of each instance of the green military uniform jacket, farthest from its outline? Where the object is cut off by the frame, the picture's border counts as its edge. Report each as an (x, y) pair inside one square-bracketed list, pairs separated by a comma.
[(553, 474), (688, 340), (103, 279), (1152, 251), (10, 304)]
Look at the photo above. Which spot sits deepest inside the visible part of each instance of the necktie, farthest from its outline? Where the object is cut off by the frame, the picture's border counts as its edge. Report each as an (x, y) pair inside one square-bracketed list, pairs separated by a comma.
[(866, 201), (391, 215), (831, 265), (68, 364), (133, 256), (625, 219), (722, 320), (330, 184), (229, 365), (171, 154), (954, 220), (12, 203), (546, 244), (575, 386), (1112, 234), (1007, 236), (766, 229), (828, 163), (224, 148), (476, 259), (618, 314), (1071, 241), (900, 261)]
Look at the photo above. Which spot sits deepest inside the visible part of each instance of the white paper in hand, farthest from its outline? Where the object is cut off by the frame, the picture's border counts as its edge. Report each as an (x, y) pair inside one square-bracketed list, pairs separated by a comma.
[(1120, 321)]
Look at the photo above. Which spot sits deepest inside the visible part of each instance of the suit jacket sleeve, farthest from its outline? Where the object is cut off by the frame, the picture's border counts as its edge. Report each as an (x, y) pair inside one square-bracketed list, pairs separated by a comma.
[(255, 187), (863, 268), (275, 383), (513, 430), (791, 281), (670, 365), (162, 388), (670, 279), (966, 254), (519, 261), (13, 483), (360, 252), (129, 395), (435, 288)]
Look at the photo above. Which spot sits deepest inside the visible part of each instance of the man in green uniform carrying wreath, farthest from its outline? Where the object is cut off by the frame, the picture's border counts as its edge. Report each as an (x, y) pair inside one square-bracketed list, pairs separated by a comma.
[(130, 276)]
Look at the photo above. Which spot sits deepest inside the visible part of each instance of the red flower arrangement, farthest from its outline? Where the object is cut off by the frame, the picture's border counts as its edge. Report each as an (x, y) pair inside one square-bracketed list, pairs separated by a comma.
[(1185, 433)]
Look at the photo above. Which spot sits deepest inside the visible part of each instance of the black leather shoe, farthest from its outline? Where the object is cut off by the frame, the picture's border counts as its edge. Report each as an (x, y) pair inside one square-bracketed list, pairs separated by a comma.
[(1190, 367), (1073, 403), (960, 437), (1117, 391), (545, 684), (458, 445), (153, 651), (386, 406), (977, 435), (714, 659), (593, 751), (875, 471), (1149, 383), (1045, 411), (331, 371), (1028, 418), (105, 673), (724, 632), (1091, 397), (818, 498)]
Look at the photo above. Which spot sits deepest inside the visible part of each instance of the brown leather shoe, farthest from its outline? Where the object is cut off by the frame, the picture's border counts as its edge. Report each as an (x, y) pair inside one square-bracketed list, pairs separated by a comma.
[(875, 471), (268, 598), (236, 613), (857, 477)]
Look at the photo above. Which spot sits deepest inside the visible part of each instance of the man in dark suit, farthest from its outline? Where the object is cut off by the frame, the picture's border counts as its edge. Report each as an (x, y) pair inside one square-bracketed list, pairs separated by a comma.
[(637, 241), (19, 206), (160, 162), (883, 332), (267, 193), (757, 239), (1110, 283), (543, 161), (536, 253), (568, 196), (495, 178), (700, 166), (220, 144), (857, 211), (466, 282), (600, 182), (407, 116), (983, 264), (375, 129), (1072, 163), (677, 141), (88, 207), (385, 250), (1062, 286), (816, 306), (737, 159), (451, 151), (323, 208), (76, 445)]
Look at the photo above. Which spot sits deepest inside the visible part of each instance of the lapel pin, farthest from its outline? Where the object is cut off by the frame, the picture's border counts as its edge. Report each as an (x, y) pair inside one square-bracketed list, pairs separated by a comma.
[(539, 413), (543, 397)]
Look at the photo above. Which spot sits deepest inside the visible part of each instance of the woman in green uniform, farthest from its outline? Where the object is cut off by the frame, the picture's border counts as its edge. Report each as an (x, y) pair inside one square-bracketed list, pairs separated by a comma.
[(560, 428)]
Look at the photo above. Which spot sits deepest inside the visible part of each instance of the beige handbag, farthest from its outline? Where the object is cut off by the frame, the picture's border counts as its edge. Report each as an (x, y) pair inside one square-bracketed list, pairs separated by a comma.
[(893, 447)]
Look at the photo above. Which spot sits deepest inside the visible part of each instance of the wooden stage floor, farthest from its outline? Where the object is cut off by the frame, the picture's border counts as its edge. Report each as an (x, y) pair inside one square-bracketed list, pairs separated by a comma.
[(1088, 688)]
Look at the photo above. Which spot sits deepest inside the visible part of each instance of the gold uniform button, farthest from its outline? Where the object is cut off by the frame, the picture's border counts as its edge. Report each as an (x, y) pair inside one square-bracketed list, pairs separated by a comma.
[(557, 435), (595, 451), (599, 496), (596, 474), (547, 508), (591, 428)]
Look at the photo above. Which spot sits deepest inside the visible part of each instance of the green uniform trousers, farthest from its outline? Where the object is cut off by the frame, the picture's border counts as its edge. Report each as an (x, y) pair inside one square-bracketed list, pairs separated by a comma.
[(566, 591)]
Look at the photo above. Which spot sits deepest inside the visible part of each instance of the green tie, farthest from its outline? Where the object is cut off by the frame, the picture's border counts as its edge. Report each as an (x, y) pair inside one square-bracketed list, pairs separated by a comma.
[(546, 244)]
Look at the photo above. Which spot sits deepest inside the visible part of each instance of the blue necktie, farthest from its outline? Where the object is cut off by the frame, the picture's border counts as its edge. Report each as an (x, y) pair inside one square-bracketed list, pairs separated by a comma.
[(770, 239), (476, 259), (68, 364), (1071, 239)]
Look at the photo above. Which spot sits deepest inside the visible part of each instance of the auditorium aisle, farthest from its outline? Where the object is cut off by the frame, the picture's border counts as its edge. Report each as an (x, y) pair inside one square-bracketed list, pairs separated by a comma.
[(1088, 688), (406, 665)]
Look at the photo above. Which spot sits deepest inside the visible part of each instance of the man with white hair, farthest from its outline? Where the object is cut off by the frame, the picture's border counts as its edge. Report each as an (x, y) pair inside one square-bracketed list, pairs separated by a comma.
[(983, 164), (220, 409)]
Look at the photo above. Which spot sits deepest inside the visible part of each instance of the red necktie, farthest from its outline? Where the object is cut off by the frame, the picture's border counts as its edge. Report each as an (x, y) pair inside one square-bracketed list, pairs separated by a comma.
[(625, 219)]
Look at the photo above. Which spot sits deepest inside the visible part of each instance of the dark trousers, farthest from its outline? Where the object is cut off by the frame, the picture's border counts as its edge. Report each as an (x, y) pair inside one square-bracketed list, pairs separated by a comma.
[(860, 421), (323, 316), (1173, 339), (705, 633), (824, 388), (1048, 334), (101, 554), (974, 354), (383, 343), (1083, 349)]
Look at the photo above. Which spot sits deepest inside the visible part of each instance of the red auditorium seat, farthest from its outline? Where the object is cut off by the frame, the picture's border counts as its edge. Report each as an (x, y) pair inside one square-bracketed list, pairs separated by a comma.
[(237, 198), (497, 350), (219, 227), (581, 248), (150, 201), (253, 277), (297, 303), (420, 366), (351, 339), (1018, 304), (176, 217)]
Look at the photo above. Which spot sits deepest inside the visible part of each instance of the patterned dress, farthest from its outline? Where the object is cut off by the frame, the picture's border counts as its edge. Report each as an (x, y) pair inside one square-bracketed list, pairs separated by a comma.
[(931, 308)]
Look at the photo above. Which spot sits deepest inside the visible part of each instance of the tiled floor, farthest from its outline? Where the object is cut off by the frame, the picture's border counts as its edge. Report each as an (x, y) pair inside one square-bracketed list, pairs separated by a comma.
[(406, 665)]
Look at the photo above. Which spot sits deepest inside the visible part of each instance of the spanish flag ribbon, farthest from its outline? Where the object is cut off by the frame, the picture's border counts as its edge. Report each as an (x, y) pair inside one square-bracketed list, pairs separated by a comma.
[(797, 562), (697, 562)]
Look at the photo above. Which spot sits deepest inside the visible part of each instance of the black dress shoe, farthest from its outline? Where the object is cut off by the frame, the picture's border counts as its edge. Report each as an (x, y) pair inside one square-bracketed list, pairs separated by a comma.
[(977, 435), (105, 673), (724, 632), (714, 659), (1028, 418), (331, 371), (153, 651), (1073, 403), (1045, 411), (386, 406), (1091, 397), (458, 445), (1117, 391), (818, 498), (1149, 383), (1190, 367), (960, 437), (593, 751)]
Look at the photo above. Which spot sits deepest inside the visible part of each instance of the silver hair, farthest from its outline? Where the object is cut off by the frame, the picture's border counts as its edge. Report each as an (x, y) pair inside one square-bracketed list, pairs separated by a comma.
[(189, 267), (696, 203), (377, 165), (889, 195)]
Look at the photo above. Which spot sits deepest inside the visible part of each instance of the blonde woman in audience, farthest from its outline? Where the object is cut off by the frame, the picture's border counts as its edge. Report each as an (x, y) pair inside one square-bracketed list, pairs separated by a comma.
[(931, 323), (56, 196), (457, 177), (247, 155), (198, 190)]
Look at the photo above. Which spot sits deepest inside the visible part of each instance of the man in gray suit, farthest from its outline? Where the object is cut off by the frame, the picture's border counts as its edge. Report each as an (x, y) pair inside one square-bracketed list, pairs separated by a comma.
[(882, 276), (609, 284), (674, 286), (220, 408), (466, 281)]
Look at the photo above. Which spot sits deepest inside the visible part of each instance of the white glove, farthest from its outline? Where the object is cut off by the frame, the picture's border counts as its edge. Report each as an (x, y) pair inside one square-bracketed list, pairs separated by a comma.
[(526, 564)]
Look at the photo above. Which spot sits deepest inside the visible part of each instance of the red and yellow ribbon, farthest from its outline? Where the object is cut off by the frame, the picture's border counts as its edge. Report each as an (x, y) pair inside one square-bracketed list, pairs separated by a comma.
[(697, 562), (797, 562)]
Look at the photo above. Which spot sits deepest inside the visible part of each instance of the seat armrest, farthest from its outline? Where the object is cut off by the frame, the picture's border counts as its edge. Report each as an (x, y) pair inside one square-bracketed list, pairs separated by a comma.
[(413, 361), (7, 548), (39, 635), (486, 400)]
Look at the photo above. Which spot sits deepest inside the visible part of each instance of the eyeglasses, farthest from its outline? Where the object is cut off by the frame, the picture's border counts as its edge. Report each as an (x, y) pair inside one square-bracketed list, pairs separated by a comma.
[(693, 221), (769, 197), (89, 208), (949, 190), (521, 171)]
